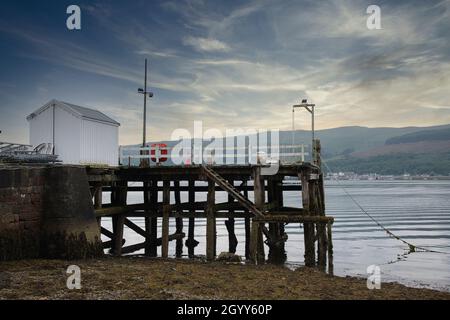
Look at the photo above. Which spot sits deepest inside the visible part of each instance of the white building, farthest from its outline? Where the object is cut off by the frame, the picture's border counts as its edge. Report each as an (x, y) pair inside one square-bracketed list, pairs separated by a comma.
[(79, 135)]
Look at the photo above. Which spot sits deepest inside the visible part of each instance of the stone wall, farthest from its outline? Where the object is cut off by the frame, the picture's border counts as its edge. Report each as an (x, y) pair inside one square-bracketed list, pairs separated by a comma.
[(46, 212)]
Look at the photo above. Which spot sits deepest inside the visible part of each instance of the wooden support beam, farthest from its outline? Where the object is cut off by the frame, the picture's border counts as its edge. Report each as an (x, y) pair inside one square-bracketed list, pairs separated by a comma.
[(140, 246), (210, 223), (117, 209), (118, 198), (308, 227), (178, 221), (330, 248), (118, 223), (147, 220), (191, 243), (130, 224), (98, 193), (316, 153), (286, 187), (232, 239), (246, 225), (321, 195), (278, 217), (276, 237), (98, 197), (107, 233), (321, 245), (257, 255), (109, 244), (256, 240), (153, 227), (165, 222)]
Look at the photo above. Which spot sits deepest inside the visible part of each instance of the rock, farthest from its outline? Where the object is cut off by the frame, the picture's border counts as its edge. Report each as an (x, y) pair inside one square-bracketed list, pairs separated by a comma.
[(229, 257)]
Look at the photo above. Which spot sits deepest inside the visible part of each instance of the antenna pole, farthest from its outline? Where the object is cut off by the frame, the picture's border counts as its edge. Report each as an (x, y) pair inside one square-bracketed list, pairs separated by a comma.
[(293, 133), (145, 107)]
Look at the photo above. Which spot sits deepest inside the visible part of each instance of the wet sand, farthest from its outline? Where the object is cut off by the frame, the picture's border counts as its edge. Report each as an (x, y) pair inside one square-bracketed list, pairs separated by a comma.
[(144, 278)]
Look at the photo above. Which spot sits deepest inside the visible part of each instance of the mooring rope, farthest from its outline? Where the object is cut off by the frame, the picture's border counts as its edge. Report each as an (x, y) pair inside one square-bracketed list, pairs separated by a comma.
[(412, 247)]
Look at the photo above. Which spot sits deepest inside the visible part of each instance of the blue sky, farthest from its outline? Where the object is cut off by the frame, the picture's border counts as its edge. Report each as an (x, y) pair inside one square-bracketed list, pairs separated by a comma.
[(231, 64)]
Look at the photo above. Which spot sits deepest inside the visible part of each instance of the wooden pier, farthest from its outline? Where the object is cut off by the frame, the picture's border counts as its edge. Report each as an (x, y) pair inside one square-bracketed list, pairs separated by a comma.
[(265, 218)]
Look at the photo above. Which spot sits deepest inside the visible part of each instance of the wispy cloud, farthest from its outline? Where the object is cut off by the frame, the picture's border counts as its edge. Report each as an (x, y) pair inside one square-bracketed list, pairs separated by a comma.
[(240, 65), (205, 44)]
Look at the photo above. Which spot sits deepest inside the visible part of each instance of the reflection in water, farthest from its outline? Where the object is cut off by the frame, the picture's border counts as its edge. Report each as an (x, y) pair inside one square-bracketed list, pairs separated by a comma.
[(418, 211)]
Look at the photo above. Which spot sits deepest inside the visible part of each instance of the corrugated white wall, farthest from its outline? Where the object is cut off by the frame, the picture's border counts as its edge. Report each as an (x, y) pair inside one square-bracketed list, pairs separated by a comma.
[(67, 136), (99, 143), (67, 133), (41, 128)]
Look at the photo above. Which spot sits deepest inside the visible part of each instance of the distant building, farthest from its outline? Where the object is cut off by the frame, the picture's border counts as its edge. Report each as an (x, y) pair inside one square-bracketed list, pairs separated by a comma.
[(79, 135)]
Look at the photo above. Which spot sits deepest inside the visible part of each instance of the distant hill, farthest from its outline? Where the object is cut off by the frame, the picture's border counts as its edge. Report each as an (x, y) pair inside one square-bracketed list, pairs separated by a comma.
[(423, 135), (425, 151)]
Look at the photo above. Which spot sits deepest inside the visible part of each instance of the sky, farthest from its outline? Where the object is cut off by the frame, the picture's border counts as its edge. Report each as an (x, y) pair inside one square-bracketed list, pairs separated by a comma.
[(231, 64)]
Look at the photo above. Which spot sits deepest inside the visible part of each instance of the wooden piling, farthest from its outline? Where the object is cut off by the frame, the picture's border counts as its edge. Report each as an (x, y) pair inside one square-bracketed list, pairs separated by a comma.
[(308, 228), (256, 238), (119, 197), (178, 221), (165, 220), (321, 246), (153, 227), (191, 243), (98, 199), (117, 242), (232, 239), (276, 236), (146, 185), (246, 224), (316, 149), (210, 222), (330, 249)]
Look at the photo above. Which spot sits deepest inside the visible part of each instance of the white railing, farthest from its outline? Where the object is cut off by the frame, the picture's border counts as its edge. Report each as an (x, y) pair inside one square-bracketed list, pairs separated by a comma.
[(285, 154)]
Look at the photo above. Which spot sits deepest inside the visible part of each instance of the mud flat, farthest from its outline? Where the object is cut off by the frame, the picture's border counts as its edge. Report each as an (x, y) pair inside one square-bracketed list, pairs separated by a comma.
[(145, 278)]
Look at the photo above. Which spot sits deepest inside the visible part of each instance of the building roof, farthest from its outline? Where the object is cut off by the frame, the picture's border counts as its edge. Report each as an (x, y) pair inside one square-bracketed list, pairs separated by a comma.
[(78, 111)]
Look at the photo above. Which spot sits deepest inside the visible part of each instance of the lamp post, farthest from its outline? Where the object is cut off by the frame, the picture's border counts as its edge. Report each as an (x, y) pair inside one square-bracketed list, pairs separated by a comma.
[(150, 95), (310, 108)]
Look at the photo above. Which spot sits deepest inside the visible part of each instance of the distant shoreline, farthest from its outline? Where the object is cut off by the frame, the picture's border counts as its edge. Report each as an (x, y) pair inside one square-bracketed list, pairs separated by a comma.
[(395, 178)]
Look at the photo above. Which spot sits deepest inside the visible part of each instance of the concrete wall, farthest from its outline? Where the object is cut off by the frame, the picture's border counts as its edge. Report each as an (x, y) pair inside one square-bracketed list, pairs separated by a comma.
[(21, 212), (47, 212)]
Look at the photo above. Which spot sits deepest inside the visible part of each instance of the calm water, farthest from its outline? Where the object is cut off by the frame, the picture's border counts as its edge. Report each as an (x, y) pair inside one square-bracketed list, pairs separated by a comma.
[(418, 211)]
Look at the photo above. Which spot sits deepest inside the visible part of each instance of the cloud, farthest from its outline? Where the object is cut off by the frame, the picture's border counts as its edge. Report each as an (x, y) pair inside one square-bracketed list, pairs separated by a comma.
[(205, 44), (253, 61), (156, 53)]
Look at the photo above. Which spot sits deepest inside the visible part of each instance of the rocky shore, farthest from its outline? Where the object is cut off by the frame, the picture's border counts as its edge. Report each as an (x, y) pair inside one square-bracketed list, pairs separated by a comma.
[(144, 278)]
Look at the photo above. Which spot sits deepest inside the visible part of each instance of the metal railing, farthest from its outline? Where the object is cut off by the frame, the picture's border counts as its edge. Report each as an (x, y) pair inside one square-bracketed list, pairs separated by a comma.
[(284, 154)]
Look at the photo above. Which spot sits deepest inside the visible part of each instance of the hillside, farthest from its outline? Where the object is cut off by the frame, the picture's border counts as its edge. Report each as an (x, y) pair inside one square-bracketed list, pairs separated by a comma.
[(420, 152), (419, 136)]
